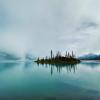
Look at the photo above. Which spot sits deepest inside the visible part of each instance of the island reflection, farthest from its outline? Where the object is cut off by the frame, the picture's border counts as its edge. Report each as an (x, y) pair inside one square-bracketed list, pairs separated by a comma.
[(59, 67)]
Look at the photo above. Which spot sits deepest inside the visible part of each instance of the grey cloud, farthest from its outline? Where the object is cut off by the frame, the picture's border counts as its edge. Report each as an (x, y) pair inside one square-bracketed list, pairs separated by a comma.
[(38, 25), (86, 25)]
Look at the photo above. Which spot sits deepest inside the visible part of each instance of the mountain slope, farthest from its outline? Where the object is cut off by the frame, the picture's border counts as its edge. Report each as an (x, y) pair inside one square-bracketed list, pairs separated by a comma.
[(8, 56), (90, 57)]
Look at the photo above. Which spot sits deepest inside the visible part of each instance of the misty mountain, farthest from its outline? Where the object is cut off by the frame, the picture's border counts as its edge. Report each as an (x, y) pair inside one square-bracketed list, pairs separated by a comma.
[(8, 56), (90, 57)]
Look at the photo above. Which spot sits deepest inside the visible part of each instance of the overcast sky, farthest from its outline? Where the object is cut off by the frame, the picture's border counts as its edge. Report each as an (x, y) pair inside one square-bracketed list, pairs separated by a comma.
[(36, 26)]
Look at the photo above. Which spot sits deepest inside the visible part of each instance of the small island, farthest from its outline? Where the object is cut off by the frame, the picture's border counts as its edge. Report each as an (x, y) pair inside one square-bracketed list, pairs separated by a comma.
[(59, 59)]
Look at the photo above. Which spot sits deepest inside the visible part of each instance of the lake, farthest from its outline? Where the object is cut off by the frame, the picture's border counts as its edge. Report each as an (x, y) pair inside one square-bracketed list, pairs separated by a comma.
[(30, 81)]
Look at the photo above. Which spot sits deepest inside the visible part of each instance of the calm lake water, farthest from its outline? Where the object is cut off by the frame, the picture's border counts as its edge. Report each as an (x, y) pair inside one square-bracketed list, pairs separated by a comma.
[(29, 81)]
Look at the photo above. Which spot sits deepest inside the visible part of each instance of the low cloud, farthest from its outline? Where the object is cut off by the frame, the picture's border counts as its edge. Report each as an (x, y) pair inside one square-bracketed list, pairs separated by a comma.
[(36, 26)]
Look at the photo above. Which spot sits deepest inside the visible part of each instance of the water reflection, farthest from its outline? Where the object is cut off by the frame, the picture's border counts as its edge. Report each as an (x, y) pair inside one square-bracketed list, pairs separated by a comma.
[(20, 82), (91, 63), (59, 67), (52, 67), (7, 65)]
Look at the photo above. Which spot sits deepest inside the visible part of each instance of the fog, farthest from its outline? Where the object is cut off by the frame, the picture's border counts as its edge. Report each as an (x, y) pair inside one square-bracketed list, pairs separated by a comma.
[(37, 26)]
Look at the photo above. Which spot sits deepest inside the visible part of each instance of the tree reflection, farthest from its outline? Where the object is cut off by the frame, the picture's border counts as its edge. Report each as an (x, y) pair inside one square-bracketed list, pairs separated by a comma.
[(59, 67)]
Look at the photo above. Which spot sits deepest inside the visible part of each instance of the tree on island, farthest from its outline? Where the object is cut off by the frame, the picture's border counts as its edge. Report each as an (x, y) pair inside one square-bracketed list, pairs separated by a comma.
[(59, 58)]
